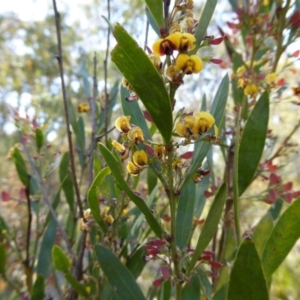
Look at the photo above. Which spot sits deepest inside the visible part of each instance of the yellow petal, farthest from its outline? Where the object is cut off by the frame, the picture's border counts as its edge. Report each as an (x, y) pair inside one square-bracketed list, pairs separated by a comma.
[(157, 50), (159, 151), (198, 65), (133, 169), (140, 158), (204, 121), (187, 42), (119, 147), (181, 61), (122, 124), (136, 134)]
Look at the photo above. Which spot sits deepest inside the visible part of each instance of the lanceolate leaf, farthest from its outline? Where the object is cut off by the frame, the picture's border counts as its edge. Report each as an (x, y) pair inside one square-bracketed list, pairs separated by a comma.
[(210, 225), (217, 110), (119, 277), (21, 167), (253, 142), (60, 260), (38, 291), (262, 232), (282, 239), (184, 218), (77, 286), (113, 165), (156, 9), (139, 71), (204, 20), (92, 197), (247, 279)]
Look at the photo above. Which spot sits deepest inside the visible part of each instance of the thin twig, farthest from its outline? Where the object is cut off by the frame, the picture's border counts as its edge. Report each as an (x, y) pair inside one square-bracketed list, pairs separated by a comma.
[(283, 144), (100, 136), (146, 35), (65, 101), (27, 259), (94, 122), (106, 96), (46, 199)]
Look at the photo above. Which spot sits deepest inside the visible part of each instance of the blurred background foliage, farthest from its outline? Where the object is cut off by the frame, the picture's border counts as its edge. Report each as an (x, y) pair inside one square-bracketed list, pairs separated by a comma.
[(30, 98)]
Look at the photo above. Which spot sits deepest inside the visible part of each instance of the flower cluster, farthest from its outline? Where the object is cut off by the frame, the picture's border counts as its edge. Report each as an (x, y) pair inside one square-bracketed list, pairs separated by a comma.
[(251, 81), (190, 126), (134, 136)]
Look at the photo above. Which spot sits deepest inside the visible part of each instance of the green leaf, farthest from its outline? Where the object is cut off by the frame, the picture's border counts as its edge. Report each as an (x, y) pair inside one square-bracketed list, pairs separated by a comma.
[(205, 283), (119, 277), (77, 286), (20, 166), (156, 9), (39, 138), (253, 142), (217, 110), (2, 259), (238, 93), (185, 211), (139, 71), (80, 141), (282, 238), (210, 225), (204, 21), (44, 258), (133, 109), (247, 279), (92, 197), (152, 22), (38, 291), (136, 262), (66, 180), (191, 291), (262, 232), (139, 202), (60, 260)]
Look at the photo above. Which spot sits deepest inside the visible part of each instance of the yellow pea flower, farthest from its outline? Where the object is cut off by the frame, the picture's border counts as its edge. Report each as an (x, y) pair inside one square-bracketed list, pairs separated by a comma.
[(140, 158), (119, 147), (204, 121), (187, 42), (271, 78), (83, 107), (133, 169), (186, 127), (189, 64), (136, 134), (122, 124), (109, 219), (159, 151), (251, 90), (167, 45)]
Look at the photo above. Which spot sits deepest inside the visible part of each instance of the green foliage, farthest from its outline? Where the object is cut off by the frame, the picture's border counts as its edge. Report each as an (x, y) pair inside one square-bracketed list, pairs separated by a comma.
[(156, 9), (136, 67), (21, 167), (2, 259), (210, 225), (112, 163), (247, 280), (60, 260), (38, 291), (255, 129), (119, 277), (282, 239)]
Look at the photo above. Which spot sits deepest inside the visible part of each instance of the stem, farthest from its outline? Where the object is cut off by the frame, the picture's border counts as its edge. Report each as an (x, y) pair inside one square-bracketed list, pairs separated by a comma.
[(66, 111), (105, 76), (235, 179), (26, 262), (280, 47), (172, 201)]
